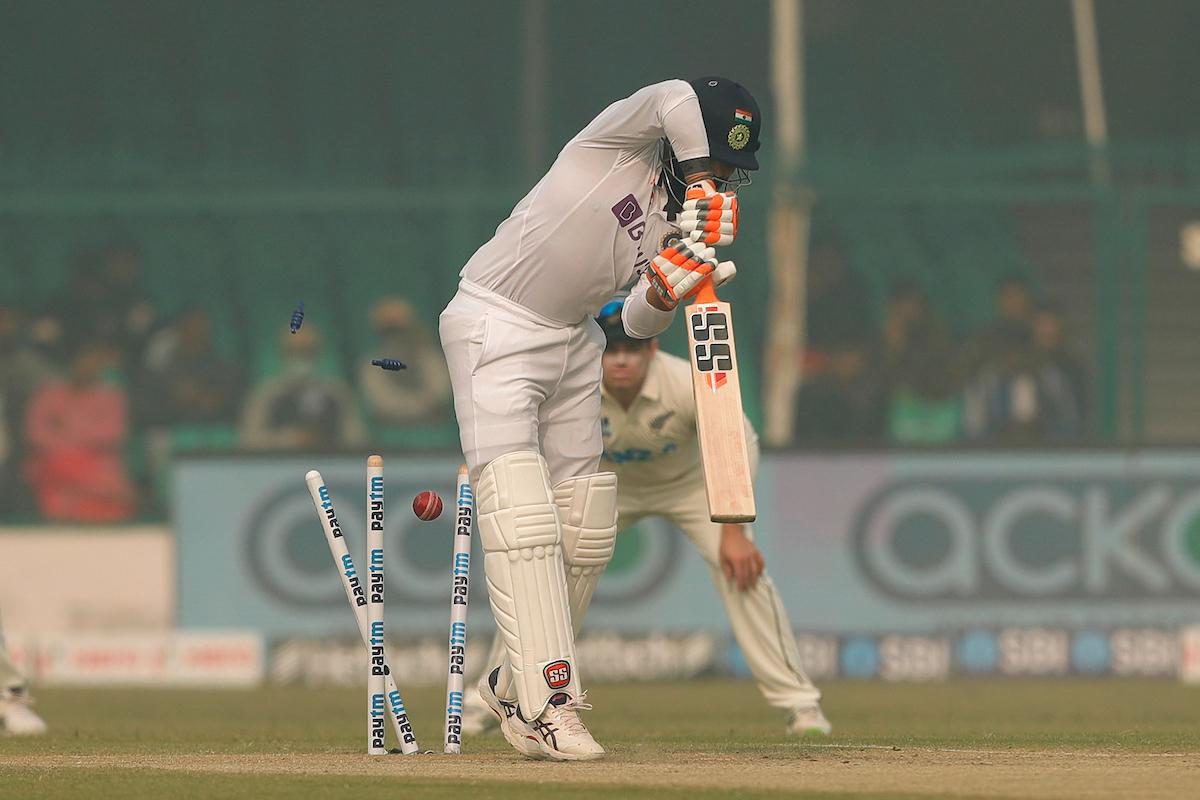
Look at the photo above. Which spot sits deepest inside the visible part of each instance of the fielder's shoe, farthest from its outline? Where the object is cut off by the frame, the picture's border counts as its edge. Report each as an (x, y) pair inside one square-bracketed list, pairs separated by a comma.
[(562, 734), (808, 721), (516, 731), (16, 716), (477, 717)]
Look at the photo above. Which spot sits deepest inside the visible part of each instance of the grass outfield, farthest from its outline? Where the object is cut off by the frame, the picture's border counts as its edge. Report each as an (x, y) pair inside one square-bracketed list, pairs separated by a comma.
[(995, 739)]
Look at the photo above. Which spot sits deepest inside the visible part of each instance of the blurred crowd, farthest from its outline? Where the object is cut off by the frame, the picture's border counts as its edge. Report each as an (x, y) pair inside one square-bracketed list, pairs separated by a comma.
[(98, 387), (909, 380)]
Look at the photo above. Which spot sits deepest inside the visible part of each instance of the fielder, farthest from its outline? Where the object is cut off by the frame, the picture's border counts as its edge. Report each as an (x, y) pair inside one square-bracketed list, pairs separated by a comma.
[(524, 356), (16, 717), (649, 426)]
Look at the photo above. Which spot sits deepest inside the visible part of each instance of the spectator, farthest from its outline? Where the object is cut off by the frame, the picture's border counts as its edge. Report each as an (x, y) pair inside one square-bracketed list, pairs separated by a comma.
[(837, 308), (843, 404), (71, 315), (923, 400), (125, 307), (103, 298), (907, 317), (77, 431), (419, 394), (301, 409), (1017, 397), (1014, 307), (186, 381), (22, 370), (1049, 341), (916, 355)]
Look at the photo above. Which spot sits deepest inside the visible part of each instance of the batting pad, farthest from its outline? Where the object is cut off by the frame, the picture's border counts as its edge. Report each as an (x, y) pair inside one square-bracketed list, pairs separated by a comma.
[(587, 508), (523, 564)]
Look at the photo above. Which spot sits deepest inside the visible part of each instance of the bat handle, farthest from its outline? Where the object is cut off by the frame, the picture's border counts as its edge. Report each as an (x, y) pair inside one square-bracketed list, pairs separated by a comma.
[(707, 293)]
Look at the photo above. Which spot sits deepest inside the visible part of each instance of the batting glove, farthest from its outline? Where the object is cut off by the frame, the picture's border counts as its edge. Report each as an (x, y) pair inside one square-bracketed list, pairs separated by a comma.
[(709, 216), (677, 271)]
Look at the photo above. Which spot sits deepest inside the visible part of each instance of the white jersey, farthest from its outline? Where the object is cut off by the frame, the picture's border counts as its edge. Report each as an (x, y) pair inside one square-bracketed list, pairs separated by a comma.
[(597, 216), (654, 441)]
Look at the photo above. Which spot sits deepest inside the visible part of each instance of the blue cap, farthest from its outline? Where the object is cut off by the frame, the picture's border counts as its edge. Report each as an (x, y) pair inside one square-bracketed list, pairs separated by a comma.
[(610, 321)]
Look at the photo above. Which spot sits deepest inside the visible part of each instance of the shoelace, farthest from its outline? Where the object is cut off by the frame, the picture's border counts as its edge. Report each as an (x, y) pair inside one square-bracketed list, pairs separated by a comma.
[(570, 722)]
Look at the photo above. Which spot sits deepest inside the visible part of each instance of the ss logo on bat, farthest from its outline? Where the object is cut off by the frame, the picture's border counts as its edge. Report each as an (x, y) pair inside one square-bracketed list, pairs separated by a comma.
[(710, 329)]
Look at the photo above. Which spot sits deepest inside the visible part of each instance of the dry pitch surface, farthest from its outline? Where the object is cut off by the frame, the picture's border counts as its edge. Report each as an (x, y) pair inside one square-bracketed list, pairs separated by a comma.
[(985, 739)]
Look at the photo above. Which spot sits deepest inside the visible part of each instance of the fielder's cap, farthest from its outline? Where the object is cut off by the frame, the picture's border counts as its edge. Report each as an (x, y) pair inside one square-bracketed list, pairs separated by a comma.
[(392, 312), (731, 120), (610, 322)]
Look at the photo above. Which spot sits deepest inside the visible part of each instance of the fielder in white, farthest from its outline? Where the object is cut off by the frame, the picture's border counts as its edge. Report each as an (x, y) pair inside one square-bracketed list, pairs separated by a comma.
[(16, 717), (524, 356), (649, 427)]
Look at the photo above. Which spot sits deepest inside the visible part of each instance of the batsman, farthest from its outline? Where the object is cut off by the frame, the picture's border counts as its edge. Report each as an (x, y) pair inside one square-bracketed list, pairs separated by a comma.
[(649, 427), (524, 353)]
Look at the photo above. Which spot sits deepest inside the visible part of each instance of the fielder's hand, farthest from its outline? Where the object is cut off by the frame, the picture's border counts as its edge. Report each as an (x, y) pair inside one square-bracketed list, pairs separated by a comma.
[(709, 216), (740, 559)]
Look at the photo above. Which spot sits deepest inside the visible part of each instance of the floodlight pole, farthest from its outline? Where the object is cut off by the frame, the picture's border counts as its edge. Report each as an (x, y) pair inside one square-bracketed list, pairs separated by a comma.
[(1091, 89), (789, 226)]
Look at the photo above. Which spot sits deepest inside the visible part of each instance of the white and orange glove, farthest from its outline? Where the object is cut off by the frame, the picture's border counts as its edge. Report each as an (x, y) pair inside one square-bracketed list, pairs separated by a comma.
[(709, 216), (676, 272)]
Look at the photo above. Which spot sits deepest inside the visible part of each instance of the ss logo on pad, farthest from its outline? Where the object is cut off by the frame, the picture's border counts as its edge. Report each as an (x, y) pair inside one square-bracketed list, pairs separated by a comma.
[(558, 674)]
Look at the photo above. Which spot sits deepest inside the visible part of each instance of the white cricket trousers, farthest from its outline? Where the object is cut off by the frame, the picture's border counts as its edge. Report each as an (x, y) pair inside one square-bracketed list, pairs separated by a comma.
[(759, 621), (522, 384)]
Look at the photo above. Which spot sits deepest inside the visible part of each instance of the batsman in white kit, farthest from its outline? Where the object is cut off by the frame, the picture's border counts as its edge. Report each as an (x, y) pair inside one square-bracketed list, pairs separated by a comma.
[(649, 428), (524, 356)]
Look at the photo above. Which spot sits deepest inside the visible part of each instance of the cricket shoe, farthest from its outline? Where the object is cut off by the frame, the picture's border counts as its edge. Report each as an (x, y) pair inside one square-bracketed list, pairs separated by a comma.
[(16, 717), (516, 730), (561, 732), (477, 716), (808, 721)]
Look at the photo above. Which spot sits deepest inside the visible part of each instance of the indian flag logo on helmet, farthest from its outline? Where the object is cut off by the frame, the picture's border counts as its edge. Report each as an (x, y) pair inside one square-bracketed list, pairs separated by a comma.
[(742, 115)]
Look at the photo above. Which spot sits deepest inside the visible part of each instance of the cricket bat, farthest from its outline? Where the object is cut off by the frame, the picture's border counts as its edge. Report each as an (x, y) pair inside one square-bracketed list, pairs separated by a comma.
[(719, 418)]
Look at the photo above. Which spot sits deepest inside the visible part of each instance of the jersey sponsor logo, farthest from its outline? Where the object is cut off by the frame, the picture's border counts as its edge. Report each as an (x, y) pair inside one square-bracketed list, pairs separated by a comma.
[(628, 454), (627, 210), (658, 422), (637, 453), (557, 673)]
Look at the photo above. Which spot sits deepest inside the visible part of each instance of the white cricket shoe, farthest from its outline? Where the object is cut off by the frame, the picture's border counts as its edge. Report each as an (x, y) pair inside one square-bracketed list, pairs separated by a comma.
[(516, 731), (808, 721), (477, 716), (561, 732), (16, 716)]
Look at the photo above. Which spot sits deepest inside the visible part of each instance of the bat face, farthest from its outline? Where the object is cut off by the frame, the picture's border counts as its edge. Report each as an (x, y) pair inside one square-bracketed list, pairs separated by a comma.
[(719, 419)]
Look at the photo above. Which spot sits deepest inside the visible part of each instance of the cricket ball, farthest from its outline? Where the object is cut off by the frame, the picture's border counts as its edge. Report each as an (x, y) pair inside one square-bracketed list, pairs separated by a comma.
[(427, 506)]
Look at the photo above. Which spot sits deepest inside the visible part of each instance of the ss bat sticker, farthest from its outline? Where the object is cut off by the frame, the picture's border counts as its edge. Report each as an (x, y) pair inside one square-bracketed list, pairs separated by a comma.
[(707, 322), (710, 332)]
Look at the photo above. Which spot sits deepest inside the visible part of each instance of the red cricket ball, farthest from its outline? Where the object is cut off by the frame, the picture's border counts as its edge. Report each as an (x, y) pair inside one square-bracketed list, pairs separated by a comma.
[(427, 506)]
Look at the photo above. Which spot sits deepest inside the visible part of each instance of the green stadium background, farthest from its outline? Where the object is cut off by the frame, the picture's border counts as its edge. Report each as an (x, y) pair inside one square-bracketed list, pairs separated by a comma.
[(265, 152)]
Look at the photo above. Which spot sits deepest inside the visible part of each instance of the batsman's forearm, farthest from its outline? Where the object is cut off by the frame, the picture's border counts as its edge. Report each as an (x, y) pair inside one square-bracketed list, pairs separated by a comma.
[(641, 316), (695, 169)]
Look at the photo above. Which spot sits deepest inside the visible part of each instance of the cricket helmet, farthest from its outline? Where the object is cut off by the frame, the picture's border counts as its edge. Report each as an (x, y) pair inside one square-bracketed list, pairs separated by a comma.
[(732, 120)]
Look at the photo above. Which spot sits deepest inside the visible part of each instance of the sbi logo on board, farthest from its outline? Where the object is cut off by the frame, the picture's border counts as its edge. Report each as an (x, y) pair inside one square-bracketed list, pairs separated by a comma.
[(1002, 538)]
